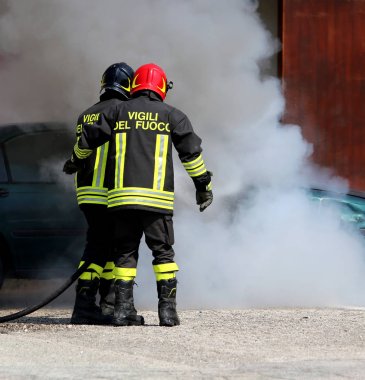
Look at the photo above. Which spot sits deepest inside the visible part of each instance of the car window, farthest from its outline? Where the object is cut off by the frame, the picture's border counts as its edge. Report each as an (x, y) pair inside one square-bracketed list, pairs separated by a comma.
[(38, 157), (3, 175)]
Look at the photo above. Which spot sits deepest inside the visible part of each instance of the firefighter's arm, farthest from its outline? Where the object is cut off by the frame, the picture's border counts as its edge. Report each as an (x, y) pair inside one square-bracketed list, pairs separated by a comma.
[(73, 164), (76, 162), (202, 179), (188, 146), (89, 136), (92, 136)]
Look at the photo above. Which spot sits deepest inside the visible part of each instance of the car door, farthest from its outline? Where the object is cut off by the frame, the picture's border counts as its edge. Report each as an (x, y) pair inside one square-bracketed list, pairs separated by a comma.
[(40, 217), (3, 193)]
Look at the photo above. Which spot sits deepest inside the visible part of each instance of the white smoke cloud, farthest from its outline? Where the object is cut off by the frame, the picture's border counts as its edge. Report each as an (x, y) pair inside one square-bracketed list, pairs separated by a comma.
[(262, 242)]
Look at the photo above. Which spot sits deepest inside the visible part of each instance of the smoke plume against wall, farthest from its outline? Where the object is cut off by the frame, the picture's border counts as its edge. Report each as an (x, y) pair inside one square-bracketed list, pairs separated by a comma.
[(262, 242)]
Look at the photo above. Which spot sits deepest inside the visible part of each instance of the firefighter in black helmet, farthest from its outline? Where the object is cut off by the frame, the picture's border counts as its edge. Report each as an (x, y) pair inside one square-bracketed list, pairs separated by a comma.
[(141, 185), (92, 193)]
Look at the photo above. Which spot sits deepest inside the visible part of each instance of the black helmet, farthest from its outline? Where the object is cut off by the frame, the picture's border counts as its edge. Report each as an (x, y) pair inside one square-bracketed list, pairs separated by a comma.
[(117, 77)]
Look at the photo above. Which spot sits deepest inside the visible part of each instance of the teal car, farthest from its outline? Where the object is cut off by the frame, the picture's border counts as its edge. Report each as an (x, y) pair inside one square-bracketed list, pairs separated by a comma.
[(42, 231), (351, 205)]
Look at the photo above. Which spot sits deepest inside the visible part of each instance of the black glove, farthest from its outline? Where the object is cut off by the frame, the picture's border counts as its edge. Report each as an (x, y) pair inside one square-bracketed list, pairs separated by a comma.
[(202, 181), (71, 167), (204, 199)]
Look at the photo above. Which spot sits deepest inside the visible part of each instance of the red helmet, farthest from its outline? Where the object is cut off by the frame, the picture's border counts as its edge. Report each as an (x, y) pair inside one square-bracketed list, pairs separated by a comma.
[(150, 77)]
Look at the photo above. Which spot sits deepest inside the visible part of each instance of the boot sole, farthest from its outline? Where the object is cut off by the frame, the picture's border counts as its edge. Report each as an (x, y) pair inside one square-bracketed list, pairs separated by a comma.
[(138, 321), (169, 323)]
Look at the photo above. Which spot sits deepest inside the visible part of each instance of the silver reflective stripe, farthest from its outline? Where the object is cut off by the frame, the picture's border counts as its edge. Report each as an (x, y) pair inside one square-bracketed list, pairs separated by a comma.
[(101, 200), (160, 161), (151, 193), (120, 145), (130, 200), (92, 190), (81, 153), (100, 164), (89, 194), (197, 172), (194, 163)]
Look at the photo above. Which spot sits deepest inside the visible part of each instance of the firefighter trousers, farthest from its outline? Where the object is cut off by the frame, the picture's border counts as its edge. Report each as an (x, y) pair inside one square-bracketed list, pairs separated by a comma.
[(130, 225), (99, 234)]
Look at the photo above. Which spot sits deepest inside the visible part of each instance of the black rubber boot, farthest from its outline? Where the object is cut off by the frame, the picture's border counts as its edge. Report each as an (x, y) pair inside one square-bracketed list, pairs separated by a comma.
[(85, 311), (107, 296), (125, 313), (167, 302)]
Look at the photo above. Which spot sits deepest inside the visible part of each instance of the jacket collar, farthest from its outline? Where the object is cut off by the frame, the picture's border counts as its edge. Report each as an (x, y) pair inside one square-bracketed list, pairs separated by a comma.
[(147, 93)]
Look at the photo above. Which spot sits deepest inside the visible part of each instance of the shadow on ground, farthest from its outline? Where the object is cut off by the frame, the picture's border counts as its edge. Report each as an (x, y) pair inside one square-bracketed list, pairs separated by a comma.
[(24, 293)]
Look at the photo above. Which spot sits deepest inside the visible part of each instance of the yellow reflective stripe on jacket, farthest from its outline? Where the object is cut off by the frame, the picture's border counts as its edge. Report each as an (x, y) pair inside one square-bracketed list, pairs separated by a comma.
[(141, 196), (121, 142), (196, 172), (194, 163), (95, 201), (141, 202), (89, 194), (82, 153), (100, 165), (141, 191), (160, 161), (196, 167), (101, 191)]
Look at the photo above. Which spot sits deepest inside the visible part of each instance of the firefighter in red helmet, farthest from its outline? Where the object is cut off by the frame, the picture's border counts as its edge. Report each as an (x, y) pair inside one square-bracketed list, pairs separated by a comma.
[(92, 197), (142, 132)]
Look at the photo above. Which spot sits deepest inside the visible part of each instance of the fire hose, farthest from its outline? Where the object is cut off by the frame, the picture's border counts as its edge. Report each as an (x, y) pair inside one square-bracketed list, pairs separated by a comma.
[(50, 298)]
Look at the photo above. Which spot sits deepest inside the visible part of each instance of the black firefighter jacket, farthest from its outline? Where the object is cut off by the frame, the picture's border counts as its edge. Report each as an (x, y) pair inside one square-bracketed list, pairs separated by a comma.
[(90, 181), (141, 133)]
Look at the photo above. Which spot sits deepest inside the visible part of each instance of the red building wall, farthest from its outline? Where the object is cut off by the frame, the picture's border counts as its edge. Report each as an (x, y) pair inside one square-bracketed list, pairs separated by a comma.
[(323, 72)]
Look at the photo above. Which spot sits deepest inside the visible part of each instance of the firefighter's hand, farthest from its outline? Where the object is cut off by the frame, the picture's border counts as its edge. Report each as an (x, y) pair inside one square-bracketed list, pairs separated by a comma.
[(70, 167), (204, 199)]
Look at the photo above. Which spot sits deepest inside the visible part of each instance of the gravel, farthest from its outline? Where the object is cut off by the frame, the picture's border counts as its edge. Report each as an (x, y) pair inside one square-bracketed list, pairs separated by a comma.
[(209, 344)]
